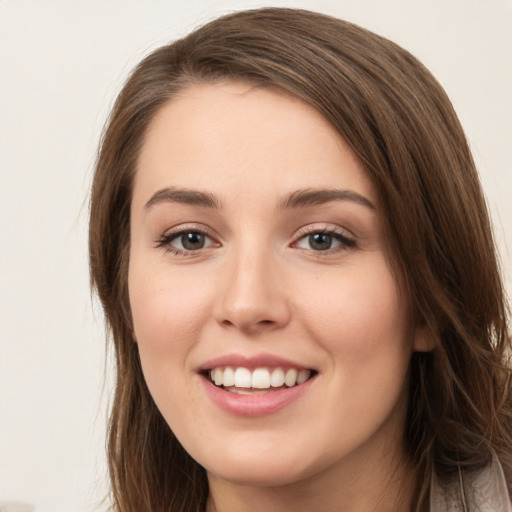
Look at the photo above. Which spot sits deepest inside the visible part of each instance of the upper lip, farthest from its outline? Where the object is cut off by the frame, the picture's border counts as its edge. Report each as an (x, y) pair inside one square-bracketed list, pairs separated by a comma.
[(252, 362)]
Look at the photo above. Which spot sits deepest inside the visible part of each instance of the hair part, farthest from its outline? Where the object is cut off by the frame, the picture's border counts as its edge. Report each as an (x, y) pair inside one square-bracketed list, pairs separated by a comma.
[(400, 123)]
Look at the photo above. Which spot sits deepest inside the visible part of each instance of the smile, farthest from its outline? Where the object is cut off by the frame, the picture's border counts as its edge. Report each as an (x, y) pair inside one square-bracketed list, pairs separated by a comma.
[(257, 385), (241, 380)]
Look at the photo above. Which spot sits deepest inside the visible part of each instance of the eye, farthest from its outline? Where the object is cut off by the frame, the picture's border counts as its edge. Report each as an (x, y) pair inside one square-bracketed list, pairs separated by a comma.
[(185, 241), (324, 240), (190, 240)]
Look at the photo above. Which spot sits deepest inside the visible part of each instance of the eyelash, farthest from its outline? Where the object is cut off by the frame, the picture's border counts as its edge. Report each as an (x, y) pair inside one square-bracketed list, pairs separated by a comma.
[(165, 241), (345, 242)]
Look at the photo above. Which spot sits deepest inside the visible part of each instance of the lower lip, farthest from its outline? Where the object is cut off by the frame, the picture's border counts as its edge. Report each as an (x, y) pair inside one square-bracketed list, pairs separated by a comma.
[(257, 404)]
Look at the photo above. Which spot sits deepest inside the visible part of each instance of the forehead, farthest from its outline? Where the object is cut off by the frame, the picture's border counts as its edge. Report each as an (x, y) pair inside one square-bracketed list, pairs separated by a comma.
[(222, 135)]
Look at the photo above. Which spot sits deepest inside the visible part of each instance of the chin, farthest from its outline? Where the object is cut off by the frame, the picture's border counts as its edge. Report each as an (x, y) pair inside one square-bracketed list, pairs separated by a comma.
[(270, 466), (267, 475)]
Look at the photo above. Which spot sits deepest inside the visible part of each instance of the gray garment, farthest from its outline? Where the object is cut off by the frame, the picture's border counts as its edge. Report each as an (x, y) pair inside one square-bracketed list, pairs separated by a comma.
[(484, 491)]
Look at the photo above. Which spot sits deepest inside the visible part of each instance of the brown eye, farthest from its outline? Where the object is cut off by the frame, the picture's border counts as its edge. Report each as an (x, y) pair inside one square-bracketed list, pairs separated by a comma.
[(320, 241), (191, 240), (185, 241), (324, 241)]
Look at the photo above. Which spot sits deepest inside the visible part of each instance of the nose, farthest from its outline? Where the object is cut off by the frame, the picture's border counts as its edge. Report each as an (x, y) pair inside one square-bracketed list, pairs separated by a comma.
[(252, 295)]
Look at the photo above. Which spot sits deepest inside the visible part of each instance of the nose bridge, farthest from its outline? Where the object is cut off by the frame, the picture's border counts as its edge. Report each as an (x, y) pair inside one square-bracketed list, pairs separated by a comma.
[(252, 297)]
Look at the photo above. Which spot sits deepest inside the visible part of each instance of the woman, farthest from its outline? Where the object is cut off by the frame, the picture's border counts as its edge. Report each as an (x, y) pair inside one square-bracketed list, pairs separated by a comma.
[(295, 260)]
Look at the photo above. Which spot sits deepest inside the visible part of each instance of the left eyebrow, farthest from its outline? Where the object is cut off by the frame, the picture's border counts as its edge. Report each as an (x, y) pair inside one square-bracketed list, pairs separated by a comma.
[(313, 197)]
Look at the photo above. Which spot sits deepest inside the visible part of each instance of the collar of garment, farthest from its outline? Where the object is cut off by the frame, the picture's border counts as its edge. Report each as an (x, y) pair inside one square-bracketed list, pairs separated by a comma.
[(481, 491)]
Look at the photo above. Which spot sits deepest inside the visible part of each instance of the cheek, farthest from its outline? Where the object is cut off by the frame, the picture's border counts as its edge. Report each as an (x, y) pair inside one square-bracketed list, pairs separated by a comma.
[(167, 308), (168, 314), (362, 321), (364, 329)]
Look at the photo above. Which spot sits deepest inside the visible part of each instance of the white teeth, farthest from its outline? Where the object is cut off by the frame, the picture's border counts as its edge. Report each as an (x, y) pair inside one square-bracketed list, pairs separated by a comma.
[(218, 376), (303, 376), (290, 379), (243, 378), (277, 378), (259, 378), (241, 391), (229, 377)]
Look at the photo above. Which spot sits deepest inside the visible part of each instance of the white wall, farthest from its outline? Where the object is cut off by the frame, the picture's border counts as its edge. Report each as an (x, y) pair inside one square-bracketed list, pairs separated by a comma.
[(61, 64)]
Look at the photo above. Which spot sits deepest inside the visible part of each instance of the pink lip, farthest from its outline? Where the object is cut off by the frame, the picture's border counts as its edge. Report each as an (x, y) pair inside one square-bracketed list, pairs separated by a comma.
[(254, 405), (251, 362)]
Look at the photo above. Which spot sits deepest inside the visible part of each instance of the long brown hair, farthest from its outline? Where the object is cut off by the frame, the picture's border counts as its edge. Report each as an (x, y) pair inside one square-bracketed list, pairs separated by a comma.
[(400, 123)]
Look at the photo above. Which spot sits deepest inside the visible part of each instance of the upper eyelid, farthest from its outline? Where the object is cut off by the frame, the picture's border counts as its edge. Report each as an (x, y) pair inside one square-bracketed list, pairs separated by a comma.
[(181, 228), (308, 229), (323, 228)]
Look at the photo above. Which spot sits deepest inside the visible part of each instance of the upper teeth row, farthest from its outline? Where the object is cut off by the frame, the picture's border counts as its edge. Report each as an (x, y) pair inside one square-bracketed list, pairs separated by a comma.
[(260, 378)]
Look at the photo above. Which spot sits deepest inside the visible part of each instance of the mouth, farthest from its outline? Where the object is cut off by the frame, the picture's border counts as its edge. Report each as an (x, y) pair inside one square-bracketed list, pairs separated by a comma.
[(244, 381)]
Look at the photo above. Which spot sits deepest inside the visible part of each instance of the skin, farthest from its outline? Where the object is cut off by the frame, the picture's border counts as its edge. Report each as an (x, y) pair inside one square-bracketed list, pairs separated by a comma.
[(258, 286)]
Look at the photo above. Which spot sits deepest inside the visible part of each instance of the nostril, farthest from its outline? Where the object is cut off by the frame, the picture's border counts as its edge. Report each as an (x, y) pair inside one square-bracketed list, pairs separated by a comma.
[(249, 324)]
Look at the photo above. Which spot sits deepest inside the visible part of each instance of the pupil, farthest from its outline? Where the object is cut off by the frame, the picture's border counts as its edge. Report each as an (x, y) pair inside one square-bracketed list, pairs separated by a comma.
[(320, 241), (192, 241)]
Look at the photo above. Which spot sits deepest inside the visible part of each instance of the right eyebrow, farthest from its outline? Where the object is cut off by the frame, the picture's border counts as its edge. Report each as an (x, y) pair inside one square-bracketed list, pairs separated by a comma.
[(183, 195)]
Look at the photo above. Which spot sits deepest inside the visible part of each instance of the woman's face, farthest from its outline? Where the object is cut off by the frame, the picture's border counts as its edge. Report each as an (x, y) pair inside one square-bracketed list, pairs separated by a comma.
[(257, 258)]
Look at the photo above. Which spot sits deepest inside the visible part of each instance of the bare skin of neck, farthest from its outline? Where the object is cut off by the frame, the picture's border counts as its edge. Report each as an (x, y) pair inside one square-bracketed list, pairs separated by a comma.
[(350, 486)]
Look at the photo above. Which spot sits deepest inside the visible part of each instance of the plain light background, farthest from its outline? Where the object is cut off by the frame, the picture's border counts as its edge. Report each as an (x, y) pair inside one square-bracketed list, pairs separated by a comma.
[(61, 65)]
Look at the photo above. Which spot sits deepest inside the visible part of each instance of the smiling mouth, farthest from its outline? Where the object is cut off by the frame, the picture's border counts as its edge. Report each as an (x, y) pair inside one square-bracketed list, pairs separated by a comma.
[(243, 381)]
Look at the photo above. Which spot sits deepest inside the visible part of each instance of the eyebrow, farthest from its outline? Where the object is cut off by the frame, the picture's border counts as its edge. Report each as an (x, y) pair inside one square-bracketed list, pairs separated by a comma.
[(313, 197), (185, 196), (297, 199)]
